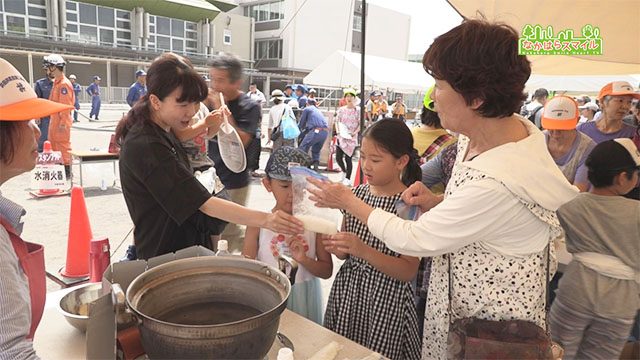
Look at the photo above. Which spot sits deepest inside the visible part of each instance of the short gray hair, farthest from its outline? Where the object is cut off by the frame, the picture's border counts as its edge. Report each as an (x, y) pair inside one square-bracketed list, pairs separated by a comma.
[(230, 63)]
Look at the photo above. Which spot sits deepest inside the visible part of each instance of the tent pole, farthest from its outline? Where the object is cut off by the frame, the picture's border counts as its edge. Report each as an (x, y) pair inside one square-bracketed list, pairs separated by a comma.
[(362, 90), (362, 52)]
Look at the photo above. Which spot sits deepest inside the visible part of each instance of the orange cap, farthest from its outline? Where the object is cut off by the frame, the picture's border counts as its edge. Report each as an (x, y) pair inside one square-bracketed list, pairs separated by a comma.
[(619, 88), (18, 101)]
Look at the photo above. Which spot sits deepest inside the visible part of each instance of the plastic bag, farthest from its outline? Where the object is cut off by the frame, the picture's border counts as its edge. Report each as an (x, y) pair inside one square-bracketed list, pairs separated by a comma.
[(231, 147), (210, 180), (289, 127), (343, 131), (318, 220), (408, 212)]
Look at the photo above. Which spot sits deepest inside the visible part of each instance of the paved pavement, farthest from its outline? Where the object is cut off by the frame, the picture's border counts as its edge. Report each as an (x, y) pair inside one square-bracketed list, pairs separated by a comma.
[(47, 220)]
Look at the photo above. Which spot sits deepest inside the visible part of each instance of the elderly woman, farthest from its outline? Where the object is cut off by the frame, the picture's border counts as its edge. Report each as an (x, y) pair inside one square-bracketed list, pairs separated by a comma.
[(615, 101), (490, 232), (22, 284), (568, 147)]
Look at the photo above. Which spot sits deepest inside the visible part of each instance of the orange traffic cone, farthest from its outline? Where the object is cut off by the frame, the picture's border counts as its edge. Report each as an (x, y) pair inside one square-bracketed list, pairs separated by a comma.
[(332, 151), (47, 149), (360, 178), (80, 235)]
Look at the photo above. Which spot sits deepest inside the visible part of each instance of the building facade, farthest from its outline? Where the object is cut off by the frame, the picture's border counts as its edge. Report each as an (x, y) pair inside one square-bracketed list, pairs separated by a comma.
[(292, 37), (114, 38)]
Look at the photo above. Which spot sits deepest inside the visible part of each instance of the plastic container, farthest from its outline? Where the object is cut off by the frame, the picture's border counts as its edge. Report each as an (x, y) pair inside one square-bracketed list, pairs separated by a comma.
[(223, 248), (285, 354), (99, 258), (318, 220)]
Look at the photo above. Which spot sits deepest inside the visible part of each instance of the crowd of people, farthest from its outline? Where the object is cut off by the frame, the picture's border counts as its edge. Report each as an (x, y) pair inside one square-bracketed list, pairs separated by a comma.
[(496, 199)]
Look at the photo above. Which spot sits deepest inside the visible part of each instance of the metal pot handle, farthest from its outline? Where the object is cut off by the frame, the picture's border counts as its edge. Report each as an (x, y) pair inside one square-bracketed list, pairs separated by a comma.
[(283, 260), (124, 316)]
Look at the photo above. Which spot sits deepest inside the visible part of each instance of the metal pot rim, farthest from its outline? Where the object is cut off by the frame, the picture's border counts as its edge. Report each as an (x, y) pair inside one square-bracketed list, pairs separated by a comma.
[(267, 270)]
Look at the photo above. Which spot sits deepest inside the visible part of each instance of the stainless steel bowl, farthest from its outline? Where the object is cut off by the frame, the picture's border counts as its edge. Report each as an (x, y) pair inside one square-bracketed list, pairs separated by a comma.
[(75, 305)]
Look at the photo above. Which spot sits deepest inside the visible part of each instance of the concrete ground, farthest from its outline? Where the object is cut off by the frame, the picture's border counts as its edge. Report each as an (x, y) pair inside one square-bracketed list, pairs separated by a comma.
[(47, 219)]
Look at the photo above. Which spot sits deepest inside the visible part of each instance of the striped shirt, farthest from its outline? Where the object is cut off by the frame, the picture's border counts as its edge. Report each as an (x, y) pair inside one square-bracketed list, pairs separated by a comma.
[(15, 302)]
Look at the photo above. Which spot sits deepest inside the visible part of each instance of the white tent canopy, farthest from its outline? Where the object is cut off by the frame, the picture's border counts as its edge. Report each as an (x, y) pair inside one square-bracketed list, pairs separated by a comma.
[(342, 69), (577, 83)]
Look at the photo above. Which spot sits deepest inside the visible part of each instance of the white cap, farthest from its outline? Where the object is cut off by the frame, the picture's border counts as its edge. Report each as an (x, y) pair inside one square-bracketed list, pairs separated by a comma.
[(631, 148), (223, 245), (560, 113), (285, 354), (18, 101), (590, 105)]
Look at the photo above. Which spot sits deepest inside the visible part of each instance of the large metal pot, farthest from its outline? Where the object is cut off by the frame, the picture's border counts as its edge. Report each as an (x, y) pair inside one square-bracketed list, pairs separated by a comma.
[(208, 307)]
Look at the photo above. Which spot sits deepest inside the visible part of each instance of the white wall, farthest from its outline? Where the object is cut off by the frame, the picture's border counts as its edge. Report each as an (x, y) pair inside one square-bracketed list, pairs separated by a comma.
[(322, 27), (240, 27), (387, 33), (319, 29)]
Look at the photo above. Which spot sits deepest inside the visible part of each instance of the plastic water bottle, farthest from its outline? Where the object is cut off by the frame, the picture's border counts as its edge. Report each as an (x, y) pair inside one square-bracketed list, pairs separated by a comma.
[(223, 248), (103, 185)]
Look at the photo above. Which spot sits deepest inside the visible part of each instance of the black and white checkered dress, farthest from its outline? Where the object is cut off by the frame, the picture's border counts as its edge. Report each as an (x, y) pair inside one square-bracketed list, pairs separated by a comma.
[(368, 306)]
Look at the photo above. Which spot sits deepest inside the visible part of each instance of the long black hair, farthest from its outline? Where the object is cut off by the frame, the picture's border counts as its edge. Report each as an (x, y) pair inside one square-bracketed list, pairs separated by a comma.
[(166, 73), (395, 137)]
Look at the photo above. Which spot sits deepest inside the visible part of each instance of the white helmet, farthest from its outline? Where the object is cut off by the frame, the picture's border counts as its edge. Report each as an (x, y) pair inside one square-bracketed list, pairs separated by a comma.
[(53, 59)]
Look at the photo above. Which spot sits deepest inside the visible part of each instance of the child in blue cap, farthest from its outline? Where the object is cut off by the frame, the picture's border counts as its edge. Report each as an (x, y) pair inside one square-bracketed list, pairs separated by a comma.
[(264, 245)]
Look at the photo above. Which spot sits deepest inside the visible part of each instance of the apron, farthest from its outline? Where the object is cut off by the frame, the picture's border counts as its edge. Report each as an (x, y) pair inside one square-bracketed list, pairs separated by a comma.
[(31, 258)]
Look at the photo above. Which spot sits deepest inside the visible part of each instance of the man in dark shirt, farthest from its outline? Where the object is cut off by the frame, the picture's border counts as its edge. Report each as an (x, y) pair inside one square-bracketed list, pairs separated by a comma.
[(42, 88), (164, 172), (226, 78)]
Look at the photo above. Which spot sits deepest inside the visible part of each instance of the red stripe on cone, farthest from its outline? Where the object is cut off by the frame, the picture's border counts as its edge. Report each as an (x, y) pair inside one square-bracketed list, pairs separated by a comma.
[(360, 178)]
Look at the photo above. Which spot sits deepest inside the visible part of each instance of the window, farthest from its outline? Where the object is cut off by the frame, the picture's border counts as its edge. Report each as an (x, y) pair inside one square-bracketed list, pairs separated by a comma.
[(163, 43), (105, 16), (271, 11), (15, 24), (14, 6), (123, 24), (268, 49), (123, 14), (106, 37), (38, 2), (357, 22), (163, 26), (98, 24), (226, 39), (167, 34), (177, 45), (274, 11), (37, 11), (88, 33), (177, 28), (88, 14)]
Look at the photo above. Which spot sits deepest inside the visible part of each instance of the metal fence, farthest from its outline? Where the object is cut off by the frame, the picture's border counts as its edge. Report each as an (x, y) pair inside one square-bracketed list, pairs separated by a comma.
[(112, 95)]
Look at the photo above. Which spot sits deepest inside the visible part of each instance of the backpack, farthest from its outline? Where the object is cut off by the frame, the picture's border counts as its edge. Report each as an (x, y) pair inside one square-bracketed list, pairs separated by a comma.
[(531, 114)]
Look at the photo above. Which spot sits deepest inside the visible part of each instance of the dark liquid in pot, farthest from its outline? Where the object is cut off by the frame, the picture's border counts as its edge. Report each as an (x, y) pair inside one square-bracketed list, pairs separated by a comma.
[(209, 313)]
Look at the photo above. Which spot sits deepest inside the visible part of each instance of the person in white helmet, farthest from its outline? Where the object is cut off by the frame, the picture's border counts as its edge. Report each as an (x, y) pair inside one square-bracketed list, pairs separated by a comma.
[(60, 123)]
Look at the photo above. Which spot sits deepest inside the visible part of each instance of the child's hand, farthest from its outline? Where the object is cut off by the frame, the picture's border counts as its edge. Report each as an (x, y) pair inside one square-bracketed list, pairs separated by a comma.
[(214, 120), (345, 243), (298, 247)]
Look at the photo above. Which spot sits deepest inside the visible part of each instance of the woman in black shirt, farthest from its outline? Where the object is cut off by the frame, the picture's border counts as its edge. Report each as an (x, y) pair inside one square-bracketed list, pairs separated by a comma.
[(170, 209)]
